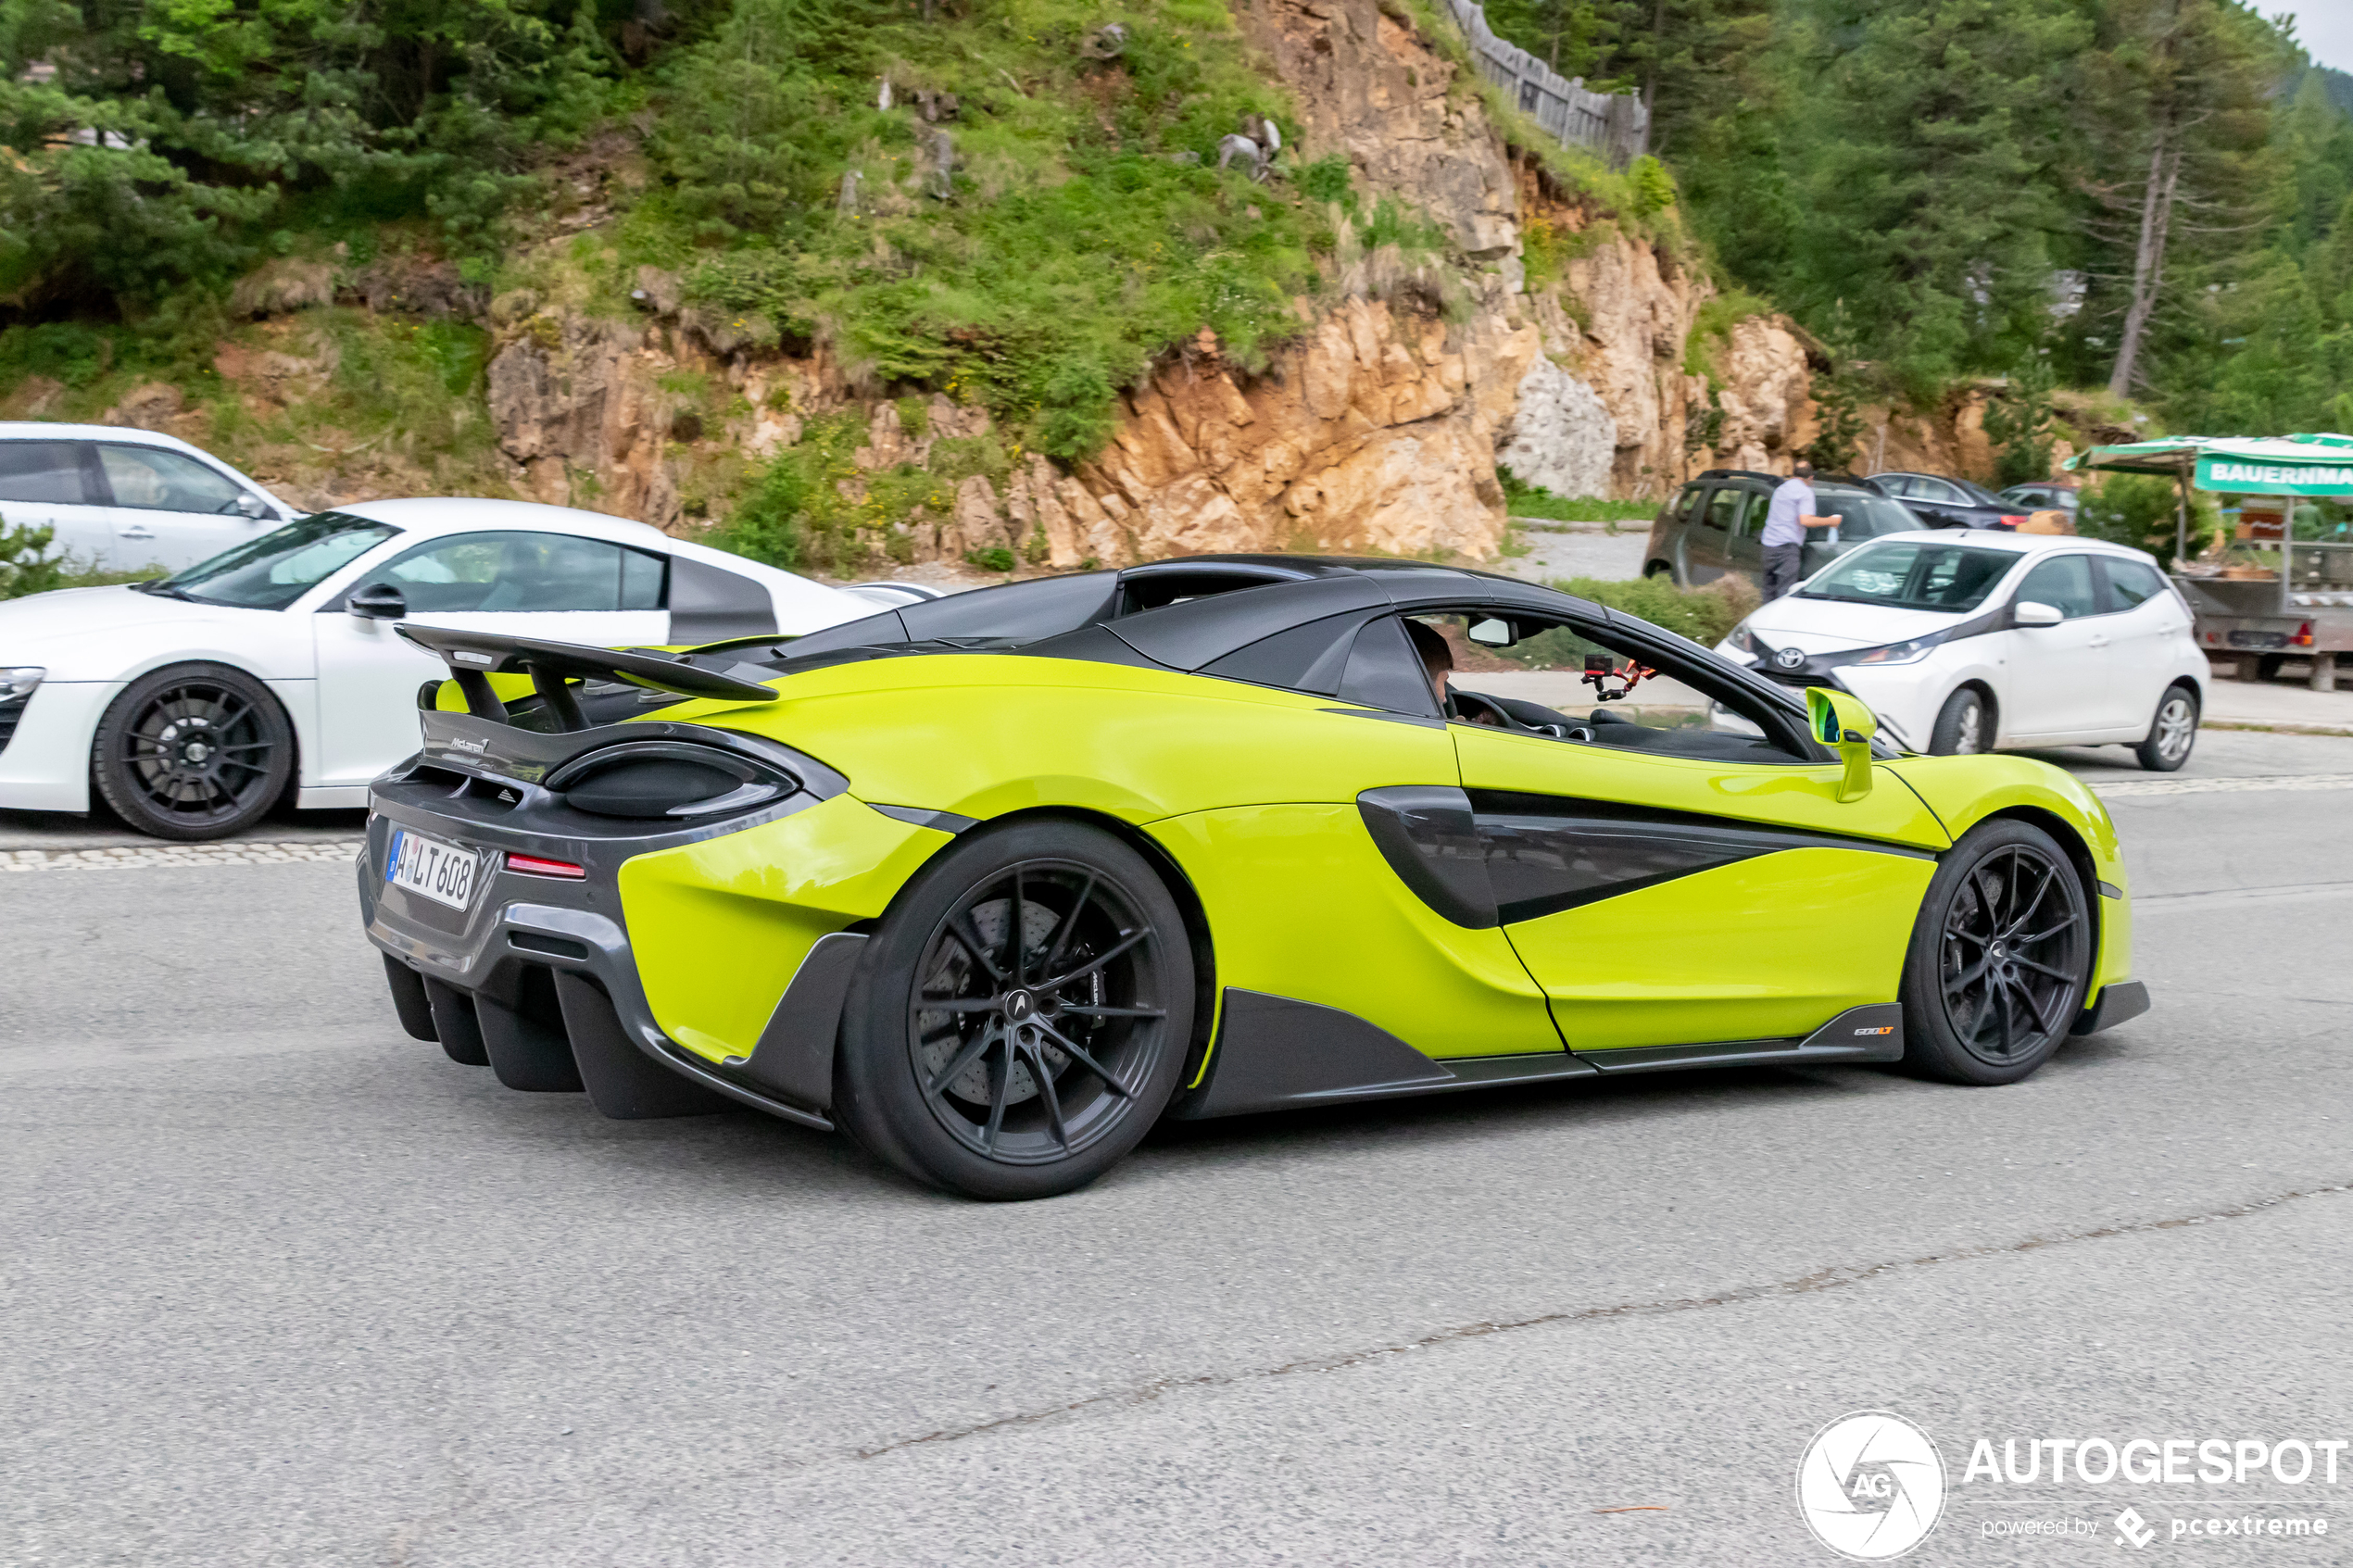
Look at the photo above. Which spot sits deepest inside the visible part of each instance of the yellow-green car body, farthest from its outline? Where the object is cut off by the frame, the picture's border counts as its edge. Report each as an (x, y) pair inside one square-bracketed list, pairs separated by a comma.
[(1381, 893)]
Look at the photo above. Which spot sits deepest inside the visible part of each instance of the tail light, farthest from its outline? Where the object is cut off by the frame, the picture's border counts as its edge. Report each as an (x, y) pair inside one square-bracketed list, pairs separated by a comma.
[(2303, 638), (2012, 519), (534, 865)]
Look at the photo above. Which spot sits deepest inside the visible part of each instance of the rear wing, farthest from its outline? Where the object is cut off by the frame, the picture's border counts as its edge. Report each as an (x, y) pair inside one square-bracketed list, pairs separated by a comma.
[(475, 657)]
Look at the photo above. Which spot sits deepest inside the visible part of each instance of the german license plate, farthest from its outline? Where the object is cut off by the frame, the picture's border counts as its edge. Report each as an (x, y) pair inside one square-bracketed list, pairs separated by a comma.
[(430, 869), (2259, 639)]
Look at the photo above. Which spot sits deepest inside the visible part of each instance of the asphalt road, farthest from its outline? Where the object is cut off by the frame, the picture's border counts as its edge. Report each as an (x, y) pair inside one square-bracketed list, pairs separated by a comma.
[(279, 1286)]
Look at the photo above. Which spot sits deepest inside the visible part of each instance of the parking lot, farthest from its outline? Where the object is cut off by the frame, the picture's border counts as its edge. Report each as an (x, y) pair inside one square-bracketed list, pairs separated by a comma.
[(287, 1286)]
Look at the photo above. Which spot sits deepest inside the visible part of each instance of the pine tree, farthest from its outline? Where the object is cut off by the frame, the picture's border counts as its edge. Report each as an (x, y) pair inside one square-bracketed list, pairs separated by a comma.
[(1929, 133)]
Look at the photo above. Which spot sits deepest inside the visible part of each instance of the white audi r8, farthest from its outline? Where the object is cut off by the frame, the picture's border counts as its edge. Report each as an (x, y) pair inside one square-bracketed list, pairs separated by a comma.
[(1978, 640), (193, 705)]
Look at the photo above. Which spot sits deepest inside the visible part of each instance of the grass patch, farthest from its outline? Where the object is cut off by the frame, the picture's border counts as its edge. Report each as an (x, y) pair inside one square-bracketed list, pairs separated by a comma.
[(1704, 615), (1534, 501), (1077, 230), (1712, 333)]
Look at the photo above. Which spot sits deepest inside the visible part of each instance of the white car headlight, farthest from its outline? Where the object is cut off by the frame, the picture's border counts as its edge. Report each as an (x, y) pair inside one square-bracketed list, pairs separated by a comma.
[(1739, 638), (18, 680), (1897, 653)]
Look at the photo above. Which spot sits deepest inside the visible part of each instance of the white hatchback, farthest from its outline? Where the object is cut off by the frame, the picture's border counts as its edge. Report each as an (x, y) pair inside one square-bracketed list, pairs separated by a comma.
[(272, 672), (1971, 640), (123, 500)]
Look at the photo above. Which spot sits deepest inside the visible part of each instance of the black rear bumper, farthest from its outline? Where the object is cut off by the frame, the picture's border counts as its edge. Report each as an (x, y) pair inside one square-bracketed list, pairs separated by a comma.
[(535, 979)]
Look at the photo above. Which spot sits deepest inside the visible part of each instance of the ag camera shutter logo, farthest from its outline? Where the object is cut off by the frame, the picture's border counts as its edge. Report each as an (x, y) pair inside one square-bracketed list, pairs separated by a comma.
[(1870, 1485)]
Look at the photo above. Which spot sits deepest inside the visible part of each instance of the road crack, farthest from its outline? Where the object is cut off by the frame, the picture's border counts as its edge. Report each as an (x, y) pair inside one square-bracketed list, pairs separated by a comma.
[(1833, 1278)]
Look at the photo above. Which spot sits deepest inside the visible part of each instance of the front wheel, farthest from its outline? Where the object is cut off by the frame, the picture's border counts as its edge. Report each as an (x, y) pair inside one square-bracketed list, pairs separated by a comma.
[(193, 751), (1964, 725), (2172, 733), (2000, 960), (1021, 1015)]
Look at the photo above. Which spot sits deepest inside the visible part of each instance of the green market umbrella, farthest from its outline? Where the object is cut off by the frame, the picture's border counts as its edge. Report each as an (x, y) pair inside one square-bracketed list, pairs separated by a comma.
[(2285, 465)]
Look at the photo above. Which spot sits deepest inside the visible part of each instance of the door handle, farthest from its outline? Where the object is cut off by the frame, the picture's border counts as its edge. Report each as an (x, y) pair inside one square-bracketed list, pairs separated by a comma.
[(137, 531)]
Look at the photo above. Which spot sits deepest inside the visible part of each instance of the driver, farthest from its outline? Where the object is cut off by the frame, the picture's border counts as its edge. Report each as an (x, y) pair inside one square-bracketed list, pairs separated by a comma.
[(1438, 662)]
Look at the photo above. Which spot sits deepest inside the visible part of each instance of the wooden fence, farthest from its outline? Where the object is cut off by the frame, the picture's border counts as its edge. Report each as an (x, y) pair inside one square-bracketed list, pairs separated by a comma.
[(1615, 125)]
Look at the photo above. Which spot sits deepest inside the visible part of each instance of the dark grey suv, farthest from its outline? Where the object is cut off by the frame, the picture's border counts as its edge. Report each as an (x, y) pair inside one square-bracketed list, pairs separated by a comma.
[(1714, 525)]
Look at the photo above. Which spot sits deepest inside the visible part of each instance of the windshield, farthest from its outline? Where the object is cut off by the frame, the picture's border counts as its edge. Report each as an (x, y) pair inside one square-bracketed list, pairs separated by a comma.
[(272, 571), (1909, 575), (1863, 517)]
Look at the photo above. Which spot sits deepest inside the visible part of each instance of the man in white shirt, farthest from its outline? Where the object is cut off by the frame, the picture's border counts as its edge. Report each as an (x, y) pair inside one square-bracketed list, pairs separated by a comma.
[(1786, 520)]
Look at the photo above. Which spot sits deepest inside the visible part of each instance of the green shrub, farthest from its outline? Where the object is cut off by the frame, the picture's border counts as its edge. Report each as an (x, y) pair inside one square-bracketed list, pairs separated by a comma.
[(2139, 509), (1653, 187), (26, 565), (1704, 615), (995, 558), (1530, 500), (1712, 327)]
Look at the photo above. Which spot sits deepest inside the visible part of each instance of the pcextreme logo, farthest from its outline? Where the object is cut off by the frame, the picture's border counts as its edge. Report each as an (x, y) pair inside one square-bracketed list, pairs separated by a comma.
[(1871, 1486)]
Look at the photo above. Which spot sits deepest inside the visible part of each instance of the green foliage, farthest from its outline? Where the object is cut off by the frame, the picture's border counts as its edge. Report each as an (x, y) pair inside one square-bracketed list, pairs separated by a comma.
[(1084, 229), (1711, 333), (1702, 614), (1653, 187), (183, 141), (995, 558), (1535, 501), (26, 565), (2018, 422), (1329, 181), (2141, 511)]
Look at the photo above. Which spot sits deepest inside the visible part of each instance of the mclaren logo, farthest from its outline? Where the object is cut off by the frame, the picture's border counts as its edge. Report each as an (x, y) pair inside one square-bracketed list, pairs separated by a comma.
[(1789, 658), (476, 747)]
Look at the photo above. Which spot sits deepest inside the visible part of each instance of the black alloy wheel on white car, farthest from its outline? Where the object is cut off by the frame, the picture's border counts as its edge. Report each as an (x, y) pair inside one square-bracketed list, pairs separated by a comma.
[(2173, 732), (192, 752), (1964, 725)]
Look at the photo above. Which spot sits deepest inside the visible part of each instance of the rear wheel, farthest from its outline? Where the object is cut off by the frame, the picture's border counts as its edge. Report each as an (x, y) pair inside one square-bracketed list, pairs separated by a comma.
[(1021, 1017), (1964, 725), (193, 751), (2172, 733), (2001, 958)]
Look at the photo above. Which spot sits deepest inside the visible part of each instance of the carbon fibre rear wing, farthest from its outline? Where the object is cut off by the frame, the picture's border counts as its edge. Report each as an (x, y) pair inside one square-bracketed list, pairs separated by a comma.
[(475, 657)]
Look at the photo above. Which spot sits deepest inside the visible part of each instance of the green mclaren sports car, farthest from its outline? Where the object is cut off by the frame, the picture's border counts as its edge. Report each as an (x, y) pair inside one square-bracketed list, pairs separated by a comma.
[(995, 882)]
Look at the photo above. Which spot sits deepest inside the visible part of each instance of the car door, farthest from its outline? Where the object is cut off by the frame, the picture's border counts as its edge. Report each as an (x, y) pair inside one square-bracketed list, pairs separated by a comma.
[(1707, 544), (558, 586), (1697, 887), (168, 509), (2058, 679), (1745, 553), (54, 484), (2146, 623)]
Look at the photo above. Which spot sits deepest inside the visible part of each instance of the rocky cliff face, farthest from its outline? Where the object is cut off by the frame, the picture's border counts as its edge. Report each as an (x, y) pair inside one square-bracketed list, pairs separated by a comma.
[(1378, 428)]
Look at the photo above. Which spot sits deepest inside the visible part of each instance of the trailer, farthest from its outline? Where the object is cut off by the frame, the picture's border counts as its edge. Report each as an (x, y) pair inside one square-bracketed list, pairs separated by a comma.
[(2262, 595)]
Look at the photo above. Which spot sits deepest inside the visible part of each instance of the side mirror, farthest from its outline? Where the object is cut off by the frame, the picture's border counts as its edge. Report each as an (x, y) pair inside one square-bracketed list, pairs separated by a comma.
[(377, 601), (251, 507), (1492, 633), (1841, 722), (2028, 613)]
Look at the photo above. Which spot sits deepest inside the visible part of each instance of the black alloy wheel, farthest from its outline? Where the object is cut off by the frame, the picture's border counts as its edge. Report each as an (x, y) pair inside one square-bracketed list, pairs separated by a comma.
[(2000, 960), (193, 751), (1020, 1019)]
